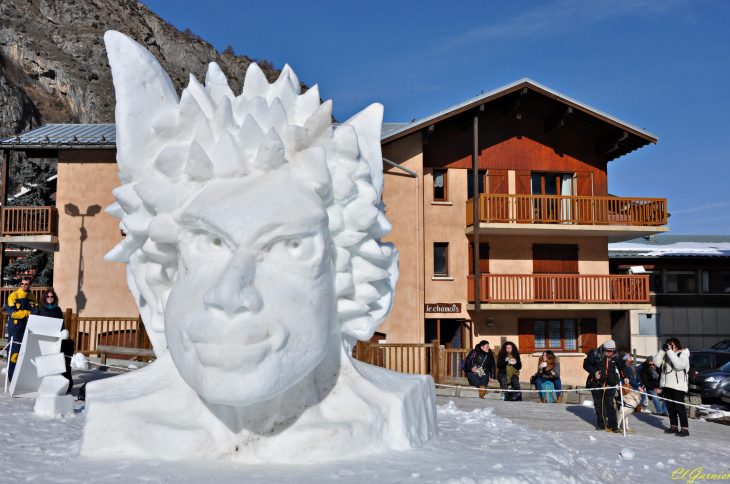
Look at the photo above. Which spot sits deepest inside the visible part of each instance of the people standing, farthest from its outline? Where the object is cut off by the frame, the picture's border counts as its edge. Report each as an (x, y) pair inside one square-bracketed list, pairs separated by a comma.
[(673, 368), (479, 366), (650, 378), (605, 369), (18, 306), (509, 365), (49, 308), (548, 369)]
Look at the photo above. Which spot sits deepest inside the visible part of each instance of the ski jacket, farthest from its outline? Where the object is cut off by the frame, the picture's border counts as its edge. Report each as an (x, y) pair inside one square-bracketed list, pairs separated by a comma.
[(597, 361), (674, 369), (648, 379), (18, 307)]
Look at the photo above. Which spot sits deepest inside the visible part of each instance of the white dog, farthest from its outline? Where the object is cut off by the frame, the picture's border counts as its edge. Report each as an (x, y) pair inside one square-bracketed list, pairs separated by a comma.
[(631, 400)]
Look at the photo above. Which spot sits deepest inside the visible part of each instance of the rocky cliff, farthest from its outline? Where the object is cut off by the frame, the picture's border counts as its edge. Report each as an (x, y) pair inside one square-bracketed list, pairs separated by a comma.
[(53, 65)]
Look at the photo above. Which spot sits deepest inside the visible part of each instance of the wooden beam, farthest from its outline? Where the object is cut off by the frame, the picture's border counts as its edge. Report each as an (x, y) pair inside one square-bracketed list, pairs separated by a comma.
[(468, 122), (607, 146), (514, 104), (427, 134), (475, 206), (555, 122)]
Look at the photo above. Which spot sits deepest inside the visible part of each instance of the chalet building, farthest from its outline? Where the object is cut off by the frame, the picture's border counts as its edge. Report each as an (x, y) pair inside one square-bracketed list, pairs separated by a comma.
[(534, 268), (689, 284), (77, 230)]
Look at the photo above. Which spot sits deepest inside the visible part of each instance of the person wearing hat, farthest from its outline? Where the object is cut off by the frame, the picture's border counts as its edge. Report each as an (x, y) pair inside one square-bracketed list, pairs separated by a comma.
[(479, 367), (605, 369)]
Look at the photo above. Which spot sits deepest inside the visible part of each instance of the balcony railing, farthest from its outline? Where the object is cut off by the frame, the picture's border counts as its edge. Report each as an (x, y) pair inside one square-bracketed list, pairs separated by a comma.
[(30, 221), (561, 288), (548, 209)]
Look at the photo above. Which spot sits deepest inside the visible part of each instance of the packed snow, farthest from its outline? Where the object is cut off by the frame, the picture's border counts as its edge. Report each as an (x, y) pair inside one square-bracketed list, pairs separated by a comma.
[(479, 441)]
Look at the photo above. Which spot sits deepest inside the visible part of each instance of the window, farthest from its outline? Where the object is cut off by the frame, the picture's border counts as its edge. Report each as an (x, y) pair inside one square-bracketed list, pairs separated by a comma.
[(483, 258), (440, 259), (470, 183), (554, 259), (701, 361), (682, 281), (716, 282), (649, 325), (556, 334), (439, 186), (655, 281), (552, 184)]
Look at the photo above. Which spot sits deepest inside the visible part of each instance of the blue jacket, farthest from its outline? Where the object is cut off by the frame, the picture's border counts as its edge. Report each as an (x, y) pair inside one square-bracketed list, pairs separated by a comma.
[(19, 306)]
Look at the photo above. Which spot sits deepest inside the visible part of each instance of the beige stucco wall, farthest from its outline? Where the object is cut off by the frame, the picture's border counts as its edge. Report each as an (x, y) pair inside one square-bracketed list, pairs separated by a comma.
[(103, 284), (505, 326), (403, 198)]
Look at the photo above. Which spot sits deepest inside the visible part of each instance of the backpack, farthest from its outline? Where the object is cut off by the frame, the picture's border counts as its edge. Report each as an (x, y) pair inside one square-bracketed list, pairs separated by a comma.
[(549, 394)]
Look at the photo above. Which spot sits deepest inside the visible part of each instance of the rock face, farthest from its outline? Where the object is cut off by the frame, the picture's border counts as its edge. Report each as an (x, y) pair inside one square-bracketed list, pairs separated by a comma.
[(54, 68)]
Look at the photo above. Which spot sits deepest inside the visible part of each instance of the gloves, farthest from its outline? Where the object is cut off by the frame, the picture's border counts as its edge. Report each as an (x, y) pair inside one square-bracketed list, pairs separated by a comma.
[(21, 314)]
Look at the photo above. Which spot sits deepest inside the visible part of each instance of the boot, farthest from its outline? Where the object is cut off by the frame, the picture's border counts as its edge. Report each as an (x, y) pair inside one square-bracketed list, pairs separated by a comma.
[(672, 430), (682, 433), (482, 391)]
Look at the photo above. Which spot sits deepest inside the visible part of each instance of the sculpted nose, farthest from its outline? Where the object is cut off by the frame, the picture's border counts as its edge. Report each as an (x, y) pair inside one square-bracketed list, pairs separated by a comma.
[(234, 292)]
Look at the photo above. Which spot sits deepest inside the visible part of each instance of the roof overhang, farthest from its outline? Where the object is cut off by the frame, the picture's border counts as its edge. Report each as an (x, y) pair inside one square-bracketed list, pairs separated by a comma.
[(639, 137), (54, 137)]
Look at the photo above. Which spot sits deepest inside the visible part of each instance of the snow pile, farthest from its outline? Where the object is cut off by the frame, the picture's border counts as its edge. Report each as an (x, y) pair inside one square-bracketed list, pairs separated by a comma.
[(627, 453), (79, 362)]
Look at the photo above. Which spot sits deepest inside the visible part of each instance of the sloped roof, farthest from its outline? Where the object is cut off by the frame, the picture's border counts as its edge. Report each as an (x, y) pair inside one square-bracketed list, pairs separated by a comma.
[(637, 137), (64, 136), (672, 246)]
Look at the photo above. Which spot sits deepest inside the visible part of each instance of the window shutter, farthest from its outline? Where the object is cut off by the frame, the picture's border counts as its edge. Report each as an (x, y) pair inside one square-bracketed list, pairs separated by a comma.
[(497, 180), (584, 185), (483, 258), (526, 330), (588, 334), (523, 182)]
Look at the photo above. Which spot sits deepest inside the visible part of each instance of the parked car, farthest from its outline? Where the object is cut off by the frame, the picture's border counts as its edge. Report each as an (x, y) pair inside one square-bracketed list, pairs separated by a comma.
[(703, 365), (726, 397), (710, 383), (722, 345)]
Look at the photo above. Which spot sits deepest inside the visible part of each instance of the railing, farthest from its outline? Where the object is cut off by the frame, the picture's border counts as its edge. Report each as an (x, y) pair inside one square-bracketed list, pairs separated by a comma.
[(561, 288), (30, 221), (418, 359), (6, 291), (453, 359), (89, 332), (548, 209)]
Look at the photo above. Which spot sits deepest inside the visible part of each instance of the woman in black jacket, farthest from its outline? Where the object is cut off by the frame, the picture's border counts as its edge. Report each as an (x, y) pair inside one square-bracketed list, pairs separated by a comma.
[(650, 378), (48, 307), (509, 365), (479, 366)]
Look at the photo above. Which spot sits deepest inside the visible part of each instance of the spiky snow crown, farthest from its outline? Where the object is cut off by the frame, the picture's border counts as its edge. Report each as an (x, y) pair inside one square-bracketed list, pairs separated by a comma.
[(168, 149)]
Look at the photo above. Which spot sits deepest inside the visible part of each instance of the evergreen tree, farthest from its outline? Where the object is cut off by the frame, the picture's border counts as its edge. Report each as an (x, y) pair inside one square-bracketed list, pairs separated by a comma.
[(32, 175)]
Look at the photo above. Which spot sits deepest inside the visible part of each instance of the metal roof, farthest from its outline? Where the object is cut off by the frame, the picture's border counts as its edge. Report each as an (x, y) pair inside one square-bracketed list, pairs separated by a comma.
[(507, 89), (388, 127), (64, 136), (672, 246)]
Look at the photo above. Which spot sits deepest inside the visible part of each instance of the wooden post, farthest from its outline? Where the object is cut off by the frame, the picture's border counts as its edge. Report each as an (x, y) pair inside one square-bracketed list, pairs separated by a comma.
[(73, 328), (3, 200), (435, 360), (475, 207), (361, 351)]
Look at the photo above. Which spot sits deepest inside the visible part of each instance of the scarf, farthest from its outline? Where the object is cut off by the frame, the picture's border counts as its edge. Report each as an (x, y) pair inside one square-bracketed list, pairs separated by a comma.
[(50, 306), (511, 370), (654, 373)]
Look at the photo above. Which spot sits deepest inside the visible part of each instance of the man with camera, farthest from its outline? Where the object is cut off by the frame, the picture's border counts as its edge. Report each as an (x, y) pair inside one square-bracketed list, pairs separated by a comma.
[(673, 364), (605, 369)]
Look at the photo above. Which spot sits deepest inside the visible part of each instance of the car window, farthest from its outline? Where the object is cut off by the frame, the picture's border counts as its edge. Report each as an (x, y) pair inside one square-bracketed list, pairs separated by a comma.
[(701, 361), (721, 360), (722, 345), (726, 368)]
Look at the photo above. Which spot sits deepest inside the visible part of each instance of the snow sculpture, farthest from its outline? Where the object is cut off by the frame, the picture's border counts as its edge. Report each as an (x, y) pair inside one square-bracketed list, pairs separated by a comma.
[(253, 248)]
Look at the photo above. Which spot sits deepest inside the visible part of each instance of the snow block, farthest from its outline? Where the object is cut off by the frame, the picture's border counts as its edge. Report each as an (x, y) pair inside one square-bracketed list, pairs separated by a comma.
[(50, 364), (53, 386), (54, 406)]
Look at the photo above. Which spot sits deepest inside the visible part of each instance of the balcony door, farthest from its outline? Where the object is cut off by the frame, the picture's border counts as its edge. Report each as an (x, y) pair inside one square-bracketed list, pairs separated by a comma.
[(548, 259), (552, 184)]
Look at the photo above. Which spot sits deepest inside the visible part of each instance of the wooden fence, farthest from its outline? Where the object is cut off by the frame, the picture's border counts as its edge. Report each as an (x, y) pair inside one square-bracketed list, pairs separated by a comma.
[(499, 208), (561, 288), (444, 365), (89, 332), (30, 221)]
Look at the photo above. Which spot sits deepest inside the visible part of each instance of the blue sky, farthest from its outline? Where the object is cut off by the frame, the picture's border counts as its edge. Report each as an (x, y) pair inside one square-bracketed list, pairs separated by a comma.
[(662, 65)]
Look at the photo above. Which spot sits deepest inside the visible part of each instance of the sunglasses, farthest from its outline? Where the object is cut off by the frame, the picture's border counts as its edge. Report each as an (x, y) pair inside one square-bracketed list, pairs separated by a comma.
[(50, 296)]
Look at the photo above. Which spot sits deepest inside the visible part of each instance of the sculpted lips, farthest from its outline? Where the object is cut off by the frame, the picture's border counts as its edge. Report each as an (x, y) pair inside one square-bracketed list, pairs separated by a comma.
[(234, 345)]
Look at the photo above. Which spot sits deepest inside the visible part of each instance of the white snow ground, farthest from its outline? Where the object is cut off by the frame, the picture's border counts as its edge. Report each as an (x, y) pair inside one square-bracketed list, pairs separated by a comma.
[(480, 441)]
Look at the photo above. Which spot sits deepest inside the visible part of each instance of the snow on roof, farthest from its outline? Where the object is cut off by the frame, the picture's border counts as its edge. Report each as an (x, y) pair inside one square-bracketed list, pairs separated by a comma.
[(55, 136), (672, 246)]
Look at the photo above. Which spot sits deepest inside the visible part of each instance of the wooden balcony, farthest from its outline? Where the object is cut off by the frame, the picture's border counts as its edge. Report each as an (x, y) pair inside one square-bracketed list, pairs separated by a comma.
[(30, 221), (561, 288)]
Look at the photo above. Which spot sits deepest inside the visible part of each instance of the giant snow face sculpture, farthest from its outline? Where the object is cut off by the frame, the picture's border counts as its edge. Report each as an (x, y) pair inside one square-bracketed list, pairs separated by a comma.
[(253, 248)]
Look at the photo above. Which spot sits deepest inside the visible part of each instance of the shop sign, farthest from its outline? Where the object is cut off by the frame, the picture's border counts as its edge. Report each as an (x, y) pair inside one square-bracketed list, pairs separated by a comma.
[(443, 308)]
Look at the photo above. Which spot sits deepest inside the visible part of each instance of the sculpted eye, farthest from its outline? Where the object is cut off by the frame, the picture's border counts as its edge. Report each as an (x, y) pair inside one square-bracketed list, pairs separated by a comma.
[(292, 249)]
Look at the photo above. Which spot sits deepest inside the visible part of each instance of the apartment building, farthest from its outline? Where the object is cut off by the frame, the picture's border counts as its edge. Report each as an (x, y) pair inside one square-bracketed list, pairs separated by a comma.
[(689, 284), (528, 262)]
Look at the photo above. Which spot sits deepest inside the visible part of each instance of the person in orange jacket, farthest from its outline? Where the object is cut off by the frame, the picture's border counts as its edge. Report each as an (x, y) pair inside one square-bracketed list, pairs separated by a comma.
[(19, 305)]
